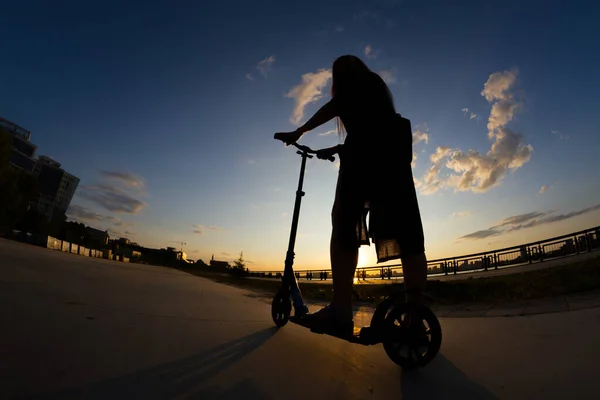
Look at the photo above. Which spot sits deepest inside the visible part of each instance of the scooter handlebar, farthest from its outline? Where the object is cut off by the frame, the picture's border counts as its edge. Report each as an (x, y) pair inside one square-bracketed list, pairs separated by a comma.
[(311, 151), (308, 150)]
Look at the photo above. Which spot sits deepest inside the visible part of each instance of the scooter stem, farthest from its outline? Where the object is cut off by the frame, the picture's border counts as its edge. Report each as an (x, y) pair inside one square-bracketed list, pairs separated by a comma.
[(288, 274)]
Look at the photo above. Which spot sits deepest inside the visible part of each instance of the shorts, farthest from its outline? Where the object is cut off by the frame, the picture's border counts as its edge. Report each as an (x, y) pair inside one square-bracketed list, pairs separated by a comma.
[(389, 199)]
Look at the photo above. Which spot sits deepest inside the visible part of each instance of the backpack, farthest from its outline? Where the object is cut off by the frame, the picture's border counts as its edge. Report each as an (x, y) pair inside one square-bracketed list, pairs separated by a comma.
[(403, 129)]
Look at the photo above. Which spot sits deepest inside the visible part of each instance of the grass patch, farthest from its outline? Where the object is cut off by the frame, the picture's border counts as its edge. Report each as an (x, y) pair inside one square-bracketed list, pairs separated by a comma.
[(566, 279)]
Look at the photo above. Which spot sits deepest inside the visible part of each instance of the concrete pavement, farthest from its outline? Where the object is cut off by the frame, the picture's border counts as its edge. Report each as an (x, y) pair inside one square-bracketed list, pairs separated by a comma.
[(77, 327)]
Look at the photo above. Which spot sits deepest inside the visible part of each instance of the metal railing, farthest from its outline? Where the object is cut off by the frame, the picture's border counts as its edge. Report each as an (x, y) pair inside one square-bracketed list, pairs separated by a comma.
[(561, 246)]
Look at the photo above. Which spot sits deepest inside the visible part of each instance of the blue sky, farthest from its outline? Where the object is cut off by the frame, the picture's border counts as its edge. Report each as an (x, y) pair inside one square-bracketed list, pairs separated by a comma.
[(167, 113)]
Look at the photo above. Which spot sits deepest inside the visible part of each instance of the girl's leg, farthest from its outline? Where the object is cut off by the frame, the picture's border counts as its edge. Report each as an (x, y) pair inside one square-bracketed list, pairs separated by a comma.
[(343, 247), (344, 244), (414, 267), (344, 259)]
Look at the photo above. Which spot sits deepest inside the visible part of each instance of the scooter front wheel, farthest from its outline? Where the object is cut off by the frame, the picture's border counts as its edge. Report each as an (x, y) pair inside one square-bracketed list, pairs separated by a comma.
[(412, 335), (281, 308)]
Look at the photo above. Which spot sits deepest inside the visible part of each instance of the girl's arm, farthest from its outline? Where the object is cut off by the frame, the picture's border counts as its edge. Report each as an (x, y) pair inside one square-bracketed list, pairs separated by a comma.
[(325, 114)]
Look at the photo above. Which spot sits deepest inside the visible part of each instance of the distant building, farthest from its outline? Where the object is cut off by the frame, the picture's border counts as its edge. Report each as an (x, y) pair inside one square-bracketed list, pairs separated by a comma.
[(123, 248), (123, 241), (23, 151), (218, 264), (97, 236), (57, 187)]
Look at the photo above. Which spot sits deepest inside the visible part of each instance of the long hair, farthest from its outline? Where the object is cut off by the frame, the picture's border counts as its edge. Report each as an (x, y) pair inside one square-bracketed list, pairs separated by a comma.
[(348, 71)]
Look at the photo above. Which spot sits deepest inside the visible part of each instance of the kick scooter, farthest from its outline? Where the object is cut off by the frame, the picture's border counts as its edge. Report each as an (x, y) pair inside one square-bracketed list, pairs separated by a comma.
[(410, 333)]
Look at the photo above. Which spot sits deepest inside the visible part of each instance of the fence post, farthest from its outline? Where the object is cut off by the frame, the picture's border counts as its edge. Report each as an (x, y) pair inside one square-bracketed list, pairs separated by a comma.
[(541, 250), (588, 242), (529, 255), (576, 239), (454, 266), (495, 261)]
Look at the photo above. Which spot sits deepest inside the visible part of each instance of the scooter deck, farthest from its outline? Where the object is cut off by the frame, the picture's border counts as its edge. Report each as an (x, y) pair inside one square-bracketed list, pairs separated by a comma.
[(365, 335)]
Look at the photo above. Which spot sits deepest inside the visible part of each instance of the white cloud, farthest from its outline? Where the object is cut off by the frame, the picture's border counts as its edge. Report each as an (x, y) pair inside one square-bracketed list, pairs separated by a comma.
[(308, 91), (249, 77), (417, 182), (474, 171), (78, 213), (201, 229), (339, 28), (497, 91), (471, 114), (264, 66), (370, 52), (527, 220), (461, 214), (329, 132), (561, 135), (545, 188), (127, 178), (419, 136), (430, 182), (119, 193), (311, 89), (388, 76)]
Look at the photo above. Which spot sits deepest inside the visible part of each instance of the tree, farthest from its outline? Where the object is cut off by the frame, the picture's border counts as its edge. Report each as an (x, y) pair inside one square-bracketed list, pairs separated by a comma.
[(239, 263), (239, 267)]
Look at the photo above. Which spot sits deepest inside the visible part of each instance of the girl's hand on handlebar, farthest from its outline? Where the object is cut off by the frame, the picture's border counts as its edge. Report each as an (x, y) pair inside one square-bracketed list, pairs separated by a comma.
[(327, 154), (288, 137)]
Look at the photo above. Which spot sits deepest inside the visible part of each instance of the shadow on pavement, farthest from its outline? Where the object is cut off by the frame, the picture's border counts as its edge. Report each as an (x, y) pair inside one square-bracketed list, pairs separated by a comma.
[(179, 378), (441, 380)]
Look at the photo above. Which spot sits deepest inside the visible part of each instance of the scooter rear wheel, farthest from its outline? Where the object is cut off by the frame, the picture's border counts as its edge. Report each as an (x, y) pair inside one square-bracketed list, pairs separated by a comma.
[(413, 335), (281, 308)]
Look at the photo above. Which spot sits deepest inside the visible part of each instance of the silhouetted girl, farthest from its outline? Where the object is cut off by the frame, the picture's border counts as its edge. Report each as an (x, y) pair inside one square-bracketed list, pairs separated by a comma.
[(375, 177)]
